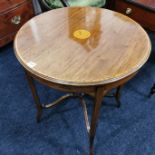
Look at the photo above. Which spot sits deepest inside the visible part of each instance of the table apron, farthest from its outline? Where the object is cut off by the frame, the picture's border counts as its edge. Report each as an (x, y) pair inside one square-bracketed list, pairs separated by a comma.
[(81, 89)]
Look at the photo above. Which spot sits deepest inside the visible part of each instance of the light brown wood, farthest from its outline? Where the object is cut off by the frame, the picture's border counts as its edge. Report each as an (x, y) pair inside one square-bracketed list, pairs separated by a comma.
[(116, 48)]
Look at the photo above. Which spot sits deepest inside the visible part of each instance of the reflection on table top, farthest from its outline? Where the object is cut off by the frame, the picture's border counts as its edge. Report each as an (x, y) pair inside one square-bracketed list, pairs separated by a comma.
[(115, 46)]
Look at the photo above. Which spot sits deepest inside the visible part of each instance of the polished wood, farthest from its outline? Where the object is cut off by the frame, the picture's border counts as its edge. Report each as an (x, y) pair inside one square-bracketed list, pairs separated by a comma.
[(7, 26), (139, 10), (114, 49), (13, 14), (100, 59)]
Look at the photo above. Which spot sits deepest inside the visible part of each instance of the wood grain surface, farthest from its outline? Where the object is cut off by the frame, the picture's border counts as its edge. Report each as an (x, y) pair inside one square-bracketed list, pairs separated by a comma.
[(117, 47)]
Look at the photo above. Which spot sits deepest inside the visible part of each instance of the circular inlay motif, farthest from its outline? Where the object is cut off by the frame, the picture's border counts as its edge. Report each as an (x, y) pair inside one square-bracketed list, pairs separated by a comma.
[(82, 34)]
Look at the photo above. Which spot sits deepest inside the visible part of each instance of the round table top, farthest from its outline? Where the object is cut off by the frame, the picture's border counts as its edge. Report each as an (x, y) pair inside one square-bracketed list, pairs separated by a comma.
[(82, 46)]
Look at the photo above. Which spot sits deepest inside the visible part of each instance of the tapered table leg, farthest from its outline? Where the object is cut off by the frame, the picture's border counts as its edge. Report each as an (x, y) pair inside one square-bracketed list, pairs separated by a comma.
[(35, 96), (100, 93)]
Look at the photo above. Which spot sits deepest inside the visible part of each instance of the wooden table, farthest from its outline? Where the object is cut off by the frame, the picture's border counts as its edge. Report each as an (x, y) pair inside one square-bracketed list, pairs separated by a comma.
[(81, 51)]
